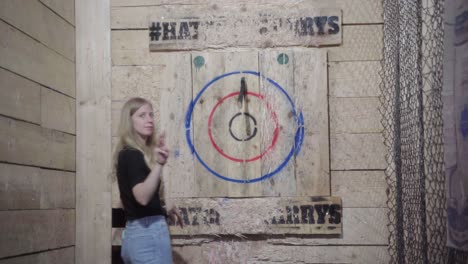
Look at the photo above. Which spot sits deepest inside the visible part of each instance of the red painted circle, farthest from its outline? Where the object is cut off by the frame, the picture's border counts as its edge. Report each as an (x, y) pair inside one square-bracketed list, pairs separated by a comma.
[(275, 134)]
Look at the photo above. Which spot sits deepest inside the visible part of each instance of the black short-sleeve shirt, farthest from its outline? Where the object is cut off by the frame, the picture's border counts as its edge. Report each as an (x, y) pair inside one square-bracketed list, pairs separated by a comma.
[(132, 170)]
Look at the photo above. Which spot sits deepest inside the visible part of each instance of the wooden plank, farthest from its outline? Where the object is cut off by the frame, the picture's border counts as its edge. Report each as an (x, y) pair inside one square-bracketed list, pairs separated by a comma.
[(360, 42), (354, 79), (65, 9), (143, 81), (65, 255), (228, 160), (279, 66), (19, 97), (256, 252), (116, 203), (312, 162), (242, 127), (60, 180), (21, 142), (360, 11), (212, 66), (33, 188), (361, 226), (60, 149), (355, 115), (187, 254), (31, 59), (329, 254), (57, 111), (358, 152), (36, 230), (273, 215), (115, 117), (94, 165), (25, 143), (39, 22), (363, 42), (354, 11), (175, 97), (273, 27), (292, 215), (359, 188)]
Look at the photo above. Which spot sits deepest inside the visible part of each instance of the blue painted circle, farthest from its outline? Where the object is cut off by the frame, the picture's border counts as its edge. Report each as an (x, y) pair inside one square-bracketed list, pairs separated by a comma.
[(298, 139)]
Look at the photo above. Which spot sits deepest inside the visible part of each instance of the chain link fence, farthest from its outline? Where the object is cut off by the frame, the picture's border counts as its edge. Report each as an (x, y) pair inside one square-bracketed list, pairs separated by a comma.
[(413, 130)]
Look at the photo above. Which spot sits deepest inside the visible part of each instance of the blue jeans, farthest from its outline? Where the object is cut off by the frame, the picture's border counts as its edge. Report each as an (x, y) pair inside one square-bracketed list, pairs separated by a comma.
[(146, 240)]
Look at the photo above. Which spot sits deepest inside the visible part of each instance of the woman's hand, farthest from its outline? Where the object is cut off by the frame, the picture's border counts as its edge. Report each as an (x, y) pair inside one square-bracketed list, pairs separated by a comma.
[(175, 216), (161, 153)]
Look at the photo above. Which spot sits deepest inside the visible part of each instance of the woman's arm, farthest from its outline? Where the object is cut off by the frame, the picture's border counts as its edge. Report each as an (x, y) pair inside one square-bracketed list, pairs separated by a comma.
[(145, 190)]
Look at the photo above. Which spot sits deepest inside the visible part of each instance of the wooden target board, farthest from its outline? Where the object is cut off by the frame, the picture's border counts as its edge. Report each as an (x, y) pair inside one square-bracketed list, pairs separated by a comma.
[(252, 123)]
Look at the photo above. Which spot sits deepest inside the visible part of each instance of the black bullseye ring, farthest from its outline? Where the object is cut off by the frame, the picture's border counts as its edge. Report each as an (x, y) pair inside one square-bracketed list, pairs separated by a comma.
[(254, 121)]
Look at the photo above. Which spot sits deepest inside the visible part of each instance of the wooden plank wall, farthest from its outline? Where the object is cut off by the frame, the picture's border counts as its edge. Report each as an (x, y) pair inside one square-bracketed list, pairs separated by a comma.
[(93, 117), (37, 131), (357, 152)]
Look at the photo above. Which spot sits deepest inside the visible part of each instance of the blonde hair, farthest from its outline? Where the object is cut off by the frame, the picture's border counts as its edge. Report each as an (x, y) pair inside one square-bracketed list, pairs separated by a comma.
[(127, 134)]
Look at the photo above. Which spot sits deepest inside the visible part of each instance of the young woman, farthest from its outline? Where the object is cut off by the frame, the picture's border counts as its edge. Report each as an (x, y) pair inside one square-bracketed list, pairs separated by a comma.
[(139, 160)]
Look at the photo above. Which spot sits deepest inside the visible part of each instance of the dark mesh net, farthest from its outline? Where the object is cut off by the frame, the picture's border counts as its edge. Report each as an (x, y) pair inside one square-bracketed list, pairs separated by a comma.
[(413, 131)]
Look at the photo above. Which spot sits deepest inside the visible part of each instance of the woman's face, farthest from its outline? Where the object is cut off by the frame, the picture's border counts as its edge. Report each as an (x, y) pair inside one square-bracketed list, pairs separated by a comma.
[(142, 121)]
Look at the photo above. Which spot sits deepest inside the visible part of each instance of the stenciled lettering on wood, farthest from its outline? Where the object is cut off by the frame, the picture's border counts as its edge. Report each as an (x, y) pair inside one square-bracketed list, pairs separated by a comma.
[(304, 214), (257, 30), (188, 30), (198, 216), (301, 215), (310, 214)]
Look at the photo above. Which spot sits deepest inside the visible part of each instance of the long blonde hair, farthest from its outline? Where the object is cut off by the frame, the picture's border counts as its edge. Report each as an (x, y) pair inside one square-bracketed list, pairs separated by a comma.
[(127, 134)]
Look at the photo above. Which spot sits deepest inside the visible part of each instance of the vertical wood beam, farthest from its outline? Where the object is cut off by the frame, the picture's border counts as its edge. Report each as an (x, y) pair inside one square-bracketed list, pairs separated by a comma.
[(93, 109)]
